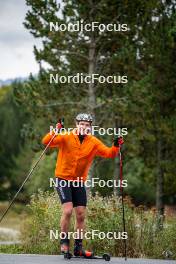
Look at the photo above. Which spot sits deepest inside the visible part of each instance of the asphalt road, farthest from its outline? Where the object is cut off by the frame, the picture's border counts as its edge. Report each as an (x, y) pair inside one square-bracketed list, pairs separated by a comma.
[(48, 259)]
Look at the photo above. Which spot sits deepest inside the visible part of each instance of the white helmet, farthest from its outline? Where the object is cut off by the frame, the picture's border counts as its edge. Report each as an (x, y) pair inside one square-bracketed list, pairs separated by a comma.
[(84, 117)]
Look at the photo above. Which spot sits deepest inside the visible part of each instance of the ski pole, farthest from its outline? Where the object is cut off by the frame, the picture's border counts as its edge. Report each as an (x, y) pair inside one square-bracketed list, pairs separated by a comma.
[(122, 195), (30, 173)]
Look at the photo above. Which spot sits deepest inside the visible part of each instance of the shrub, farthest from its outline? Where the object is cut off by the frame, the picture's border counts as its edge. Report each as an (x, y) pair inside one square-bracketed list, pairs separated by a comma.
[(103, 214)]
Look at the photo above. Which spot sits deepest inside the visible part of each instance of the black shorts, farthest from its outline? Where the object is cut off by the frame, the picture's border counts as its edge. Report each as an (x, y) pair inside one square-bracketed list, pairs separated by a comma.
[(69, 191)]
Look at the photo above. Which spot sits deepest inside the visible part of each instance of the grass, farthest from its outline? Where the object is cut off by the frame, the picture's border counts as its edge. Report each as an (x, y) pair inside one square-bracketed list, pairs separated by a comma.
[(15, 216), (145, 239), (11, 225)]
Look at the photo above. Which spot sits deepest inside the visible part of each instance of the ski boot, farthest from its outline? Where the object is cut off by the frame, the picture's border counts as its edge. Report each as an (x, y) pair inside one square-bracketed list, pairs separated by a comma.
[(64, 246), (80, 252)]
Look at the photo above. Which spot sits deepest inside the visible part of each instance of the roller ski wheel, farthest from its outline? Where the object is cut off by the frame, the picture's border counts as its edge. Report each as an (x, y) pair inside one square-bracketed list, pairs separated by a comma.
[(68, 255), (106, 257)]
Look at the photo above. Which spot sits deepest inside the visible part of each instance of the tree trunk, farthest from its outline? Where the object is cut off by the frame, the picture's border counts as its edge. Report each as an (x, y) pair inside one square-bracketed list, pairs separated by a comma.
[(159, 183), (91, 70), (91, 92)]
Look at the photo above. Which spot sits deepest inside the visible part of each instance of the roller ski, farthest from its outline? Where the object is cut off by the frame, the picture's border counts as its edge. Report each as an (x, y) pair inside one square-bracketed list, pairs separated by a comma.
[(105, 256), (79, 252)]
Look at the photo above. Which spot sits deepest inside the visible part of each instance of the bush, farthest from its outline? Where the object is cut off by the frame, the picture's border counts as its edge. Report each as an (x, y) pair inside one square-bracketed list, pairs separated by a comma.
[(103, 214)]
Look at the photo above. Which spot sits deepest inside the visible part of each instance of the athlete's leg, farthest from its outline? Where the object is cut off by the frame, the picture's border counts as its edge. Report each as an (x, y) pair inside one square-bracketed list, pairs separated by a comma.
[(65, 194), (67, 209), (80, 213), (79, 199), (79, 203)]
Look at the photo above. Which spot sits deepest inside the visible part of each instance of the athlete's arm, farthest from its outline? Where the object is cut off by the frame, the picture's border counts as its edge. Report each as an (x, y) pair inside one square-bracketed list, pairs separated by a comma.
[(56, 142), (109, 152), (106, 152)]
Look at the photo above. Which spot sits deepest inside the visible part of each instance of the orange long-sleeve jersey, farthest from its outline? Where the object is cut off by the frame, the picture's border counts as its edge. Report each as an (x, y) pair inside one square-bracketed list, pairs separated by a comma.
[(75, 158)]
